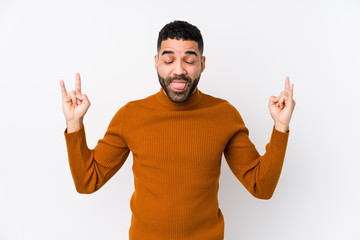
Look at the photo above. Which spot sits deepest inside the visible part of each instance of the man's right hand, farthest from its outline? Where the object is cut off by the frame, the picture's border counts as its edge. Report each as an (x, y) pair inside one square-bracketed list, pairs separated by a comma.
[(75, 105)]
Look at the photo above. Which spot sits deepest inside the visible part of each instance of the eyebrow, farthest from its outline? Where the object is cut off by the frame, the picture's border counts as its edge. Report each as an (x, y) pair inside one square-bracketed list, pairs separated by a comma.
[(167, 52), (171, 52), (191, 52)]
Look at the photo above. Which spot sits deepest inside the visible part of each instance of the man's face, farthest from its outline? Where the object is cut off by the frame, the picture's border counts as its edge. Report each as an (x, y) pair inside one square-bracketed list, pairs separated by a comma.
[(179, 65)]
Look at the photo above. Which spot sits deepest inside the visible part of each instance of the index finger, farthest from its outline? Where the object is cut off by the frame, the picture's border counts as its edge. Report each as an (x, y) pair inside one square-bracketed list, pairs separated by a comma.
[(63, 89), (78, 84), (287, 84), (292, 90)]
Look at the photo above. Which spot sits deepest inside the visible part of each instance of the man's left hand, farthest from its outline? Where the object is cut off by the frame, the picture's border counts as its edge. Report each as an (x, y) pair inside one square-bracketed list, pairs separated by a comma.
[(281, 107)]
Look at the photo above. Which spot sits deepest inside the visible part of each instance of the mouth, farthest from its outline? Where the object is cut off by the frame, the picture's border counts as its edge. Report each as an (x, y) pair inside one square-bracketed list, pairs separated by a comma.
[(178, 86)]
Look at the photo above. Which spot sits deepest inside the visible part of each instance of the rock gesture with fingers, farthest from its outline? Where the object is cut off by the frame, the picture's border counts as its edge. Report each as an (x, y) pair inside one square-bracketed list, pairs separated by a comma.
[(282, 107), (75, 104)]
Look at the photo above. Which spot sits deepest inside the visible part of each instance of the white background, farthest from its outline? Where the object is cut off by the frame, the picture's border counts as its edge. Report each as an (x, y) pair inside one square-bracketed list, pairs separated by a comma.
[(251, 46)]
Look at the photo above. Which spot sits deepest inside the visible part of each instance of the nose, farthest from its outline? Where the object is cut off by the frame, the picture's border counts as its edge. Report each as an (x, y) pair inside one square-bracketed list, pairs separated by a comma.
[(179, 68)]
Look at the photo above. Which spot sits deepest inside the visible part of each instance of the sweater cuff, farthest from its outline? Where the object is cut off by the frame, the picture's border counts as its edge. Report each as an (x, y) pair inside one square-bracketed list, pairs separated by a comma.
[(279, 138), (73, 137)]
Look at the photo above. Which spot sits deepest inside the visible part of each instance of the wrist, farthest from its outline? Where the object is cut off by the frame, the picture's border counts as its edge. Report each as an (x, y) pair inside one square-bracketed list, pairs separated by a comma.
[(282, 127), (74, 125)]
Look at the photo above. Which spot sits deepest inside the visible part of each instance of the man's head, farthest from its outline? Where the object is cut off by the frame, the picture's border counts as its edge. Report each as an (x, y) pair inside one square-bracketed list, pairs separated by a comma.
[(180, 61)]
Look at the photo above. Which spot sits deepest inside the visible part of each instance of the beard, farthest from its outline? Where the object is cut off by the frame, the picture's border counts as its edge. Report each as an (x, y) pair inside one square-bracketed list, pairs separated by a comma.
[(178, 97)]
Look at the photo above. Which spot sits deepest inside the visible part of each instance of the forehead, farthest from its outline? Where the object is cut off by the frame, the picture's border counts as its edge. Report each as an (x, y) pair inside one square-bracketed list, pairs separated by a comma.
[(179, 46)]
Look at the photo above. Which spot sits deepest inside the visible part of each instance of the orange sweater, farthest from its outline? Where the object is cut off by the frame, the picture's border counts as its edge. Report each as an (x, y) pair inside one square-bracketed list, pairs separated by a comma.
[(177, 150)]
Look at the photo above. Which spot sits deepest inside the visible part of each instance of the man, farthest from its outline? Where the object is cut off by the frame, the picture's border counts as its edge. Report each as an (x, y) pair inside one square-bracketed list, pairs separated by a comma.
[(177, 137)]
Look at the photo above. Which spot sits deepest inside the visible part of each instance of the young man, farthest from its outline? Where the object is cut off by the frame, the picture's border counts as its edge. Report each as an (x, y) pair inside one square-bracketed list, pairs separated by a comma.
[(177, 137)]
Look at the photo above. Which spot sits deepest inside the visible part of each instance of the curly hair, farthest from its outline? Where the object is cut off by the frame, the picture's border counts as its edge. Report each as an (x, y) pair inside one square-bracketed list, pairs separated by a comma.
[(181, 30)]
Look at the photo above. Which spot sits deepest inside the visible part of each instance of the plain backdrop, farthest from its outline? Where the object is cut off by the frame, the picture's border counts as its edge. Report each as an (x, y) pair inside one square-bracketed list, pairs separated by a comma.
[(251, 46)]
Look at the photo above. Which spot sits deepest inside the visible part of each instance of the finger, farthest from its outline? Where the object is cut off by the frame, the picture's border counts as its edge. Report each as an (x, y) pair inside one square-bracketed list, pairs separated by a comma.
[(273, 100), (287, 84), (282, 96), (63, 89), (83, 99), (78, 99), (277, 102), (73, 98), (281, 101), (284, 93), (287, 101), (78, 84), (292, 90)]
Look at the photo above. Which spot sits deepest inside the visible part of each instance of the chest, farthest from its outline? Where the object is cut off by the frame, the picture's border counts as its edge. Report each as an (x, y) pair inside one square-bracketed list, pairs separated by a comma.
[(176, 141)]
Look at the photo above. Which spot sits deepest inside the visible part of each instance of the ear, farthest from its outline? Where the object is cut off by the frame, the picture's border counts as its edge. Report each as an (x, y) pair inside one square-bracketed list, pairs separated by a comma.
[(156, 58), (202, 63)]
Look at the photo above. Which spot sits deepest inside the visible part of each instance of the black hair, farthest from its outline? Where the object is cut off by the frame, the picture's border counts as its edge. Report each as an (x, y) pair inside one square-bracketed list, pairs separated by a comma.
[(181, 30)]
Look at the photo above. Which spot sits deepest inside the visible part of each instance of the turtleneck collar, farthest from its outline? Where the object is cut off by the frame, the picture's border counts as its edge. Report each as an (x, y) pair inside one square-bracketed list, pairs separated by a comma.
[(191, 102)]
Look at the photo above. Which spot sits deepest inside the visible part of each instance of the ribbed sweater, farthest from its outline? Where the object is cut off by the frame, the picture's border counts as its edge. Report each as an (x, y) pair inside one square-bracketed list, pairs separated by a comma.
[(177, 150)]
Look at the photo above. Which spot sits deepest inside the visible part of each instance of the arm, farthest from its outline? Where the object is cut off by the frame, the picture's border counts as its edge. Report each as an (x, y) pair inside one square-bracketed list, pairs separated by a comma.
[(92, 168), (258, 174)]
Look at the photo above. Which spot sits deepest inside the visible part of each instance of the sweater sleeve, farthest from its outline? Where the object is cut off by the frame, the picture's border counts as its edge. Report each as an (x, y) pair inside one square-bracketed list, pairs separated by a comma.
[(258, 174), (92, 168)]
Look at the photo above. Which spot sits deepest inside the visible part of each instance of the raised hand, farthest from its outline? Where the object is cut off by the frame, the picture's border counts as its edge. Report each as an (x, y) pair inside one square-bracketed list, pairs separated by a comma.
[(75, 104), (282, 107)]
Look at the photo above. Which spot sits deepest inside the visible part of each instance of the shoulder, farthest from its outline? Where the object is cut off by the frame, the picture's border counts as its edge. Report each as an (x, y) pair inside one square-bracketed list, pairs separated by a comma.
[(213, 99), (217, 101), (144, 102), (128, 106), (228, 108)]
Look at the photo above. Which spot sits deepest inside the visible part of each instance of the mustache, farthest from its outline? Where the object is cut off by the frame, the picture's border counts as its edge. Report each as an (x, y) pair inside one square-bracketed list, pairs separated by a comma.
[(178, 77)]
